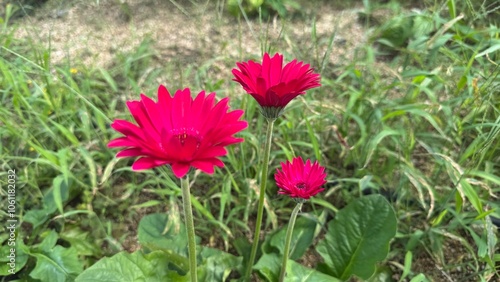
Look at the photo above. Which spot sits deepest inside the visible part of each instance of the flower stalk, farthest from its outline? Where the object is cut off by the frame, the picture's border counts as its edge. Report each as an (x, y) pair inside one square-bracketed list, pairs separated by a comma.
[(262, 194), (288, 239), (188, 217)]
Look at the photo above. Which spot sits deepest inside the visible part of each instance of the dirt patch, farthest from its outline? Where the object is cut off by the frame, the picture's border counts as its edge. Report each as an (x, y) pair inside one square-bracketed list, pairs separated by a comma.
[(92, 32)]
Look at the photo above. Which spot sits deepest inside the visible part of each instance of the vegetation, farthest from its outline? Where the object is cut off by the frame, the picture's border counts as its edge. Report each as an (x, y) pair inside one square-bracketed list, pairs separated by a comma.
[(414, 117)]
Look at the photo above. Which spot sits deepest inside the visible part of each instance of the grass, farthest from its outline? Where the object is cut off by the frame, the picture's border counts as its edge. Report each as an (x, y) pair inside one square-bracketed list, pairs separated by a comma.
[(418, 122)]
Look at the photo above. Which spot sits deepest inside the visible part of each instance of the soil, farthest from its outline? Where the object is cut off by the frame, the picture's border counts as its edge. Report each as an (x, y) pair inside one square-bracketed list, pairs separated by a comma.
[(92, 32)]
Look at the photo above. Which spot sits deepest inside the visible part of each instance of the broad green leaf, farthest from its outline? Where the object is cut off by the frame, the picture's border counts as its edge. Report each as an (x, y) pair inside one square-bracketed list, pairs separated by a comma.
[(299, 273), (383, 274), (302, 237), (243, 248), (422, 26), (419, 278), (125, 267), (49, 241), (81, 241), (165, 232), (58, 264), (358, 237), (217, 265), (37, 217), (6, 255), (269, 266)]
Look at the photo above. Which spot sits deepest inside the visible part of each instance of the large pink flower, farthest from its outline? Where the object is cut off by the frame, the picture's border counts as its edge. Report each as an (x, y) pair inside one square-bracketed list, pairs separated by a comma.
[(300, 180), (271, 84), (178, 131)]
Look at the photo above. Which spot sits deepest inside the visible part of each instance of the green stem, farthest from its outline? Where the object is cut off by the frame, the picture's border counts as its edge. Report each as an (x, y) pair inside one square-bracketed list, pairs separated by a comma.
[(288, 239), (262, 194), (188, 216)]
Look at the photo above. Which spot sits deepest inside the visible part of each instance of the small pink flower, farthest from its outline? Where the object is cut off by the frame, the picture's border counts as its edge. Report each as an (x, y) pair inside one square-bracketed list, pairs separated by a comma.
[(299, 180), (272, 85), (178, 131)]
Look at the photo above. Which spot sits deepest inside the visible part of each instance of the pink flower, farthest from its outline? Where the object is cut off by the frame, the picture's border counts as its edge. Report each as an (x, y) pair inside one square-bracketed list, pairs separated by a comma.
[(272, 85), (178, 131), (299, 180)]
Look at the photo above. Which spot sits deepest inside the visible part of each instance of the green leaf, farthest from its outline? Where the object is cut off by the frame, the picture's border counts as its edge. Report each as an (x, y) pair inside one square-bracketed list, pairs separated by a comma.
[(452, 8), (243, 248), (37, 217), (217, 265), (299, 273), (109, 79), (108, 170), (491, 49), (374, 143), (81, 241), (58, 185), (302, 237), (66, 132), (358, 237), (165, 232), (269, 266), (5, 258), (124, 267), (52, 200), (150, 203), (419, 278), (49, 241), (58, 264), (471, 195)]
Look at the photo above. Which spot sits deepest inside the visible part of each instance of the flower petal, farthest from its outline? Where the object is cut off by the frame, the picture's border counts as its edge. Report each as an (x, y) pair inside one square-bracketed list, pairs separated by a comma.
[(180, 169), (147, 163), (273, 85), (179, 131)]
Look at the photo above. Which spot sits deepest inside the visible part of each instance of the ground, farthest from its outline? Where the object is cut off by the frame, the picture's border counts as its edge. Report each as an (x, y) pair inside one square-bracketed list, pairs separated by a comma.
[(92, 32)]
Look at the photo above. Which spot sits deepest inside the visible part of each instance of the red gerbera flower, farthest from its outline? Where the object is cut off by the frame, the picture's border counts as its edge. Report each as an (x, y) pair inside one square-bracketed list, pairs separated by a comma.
[(274, 86), (178, 131), (300, 180)]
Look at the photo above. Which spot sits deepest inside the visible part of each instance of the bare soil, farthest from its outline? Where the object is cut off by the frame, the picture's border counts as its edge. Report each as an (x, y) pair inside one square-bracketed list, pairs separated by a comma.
[(92, 32)]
